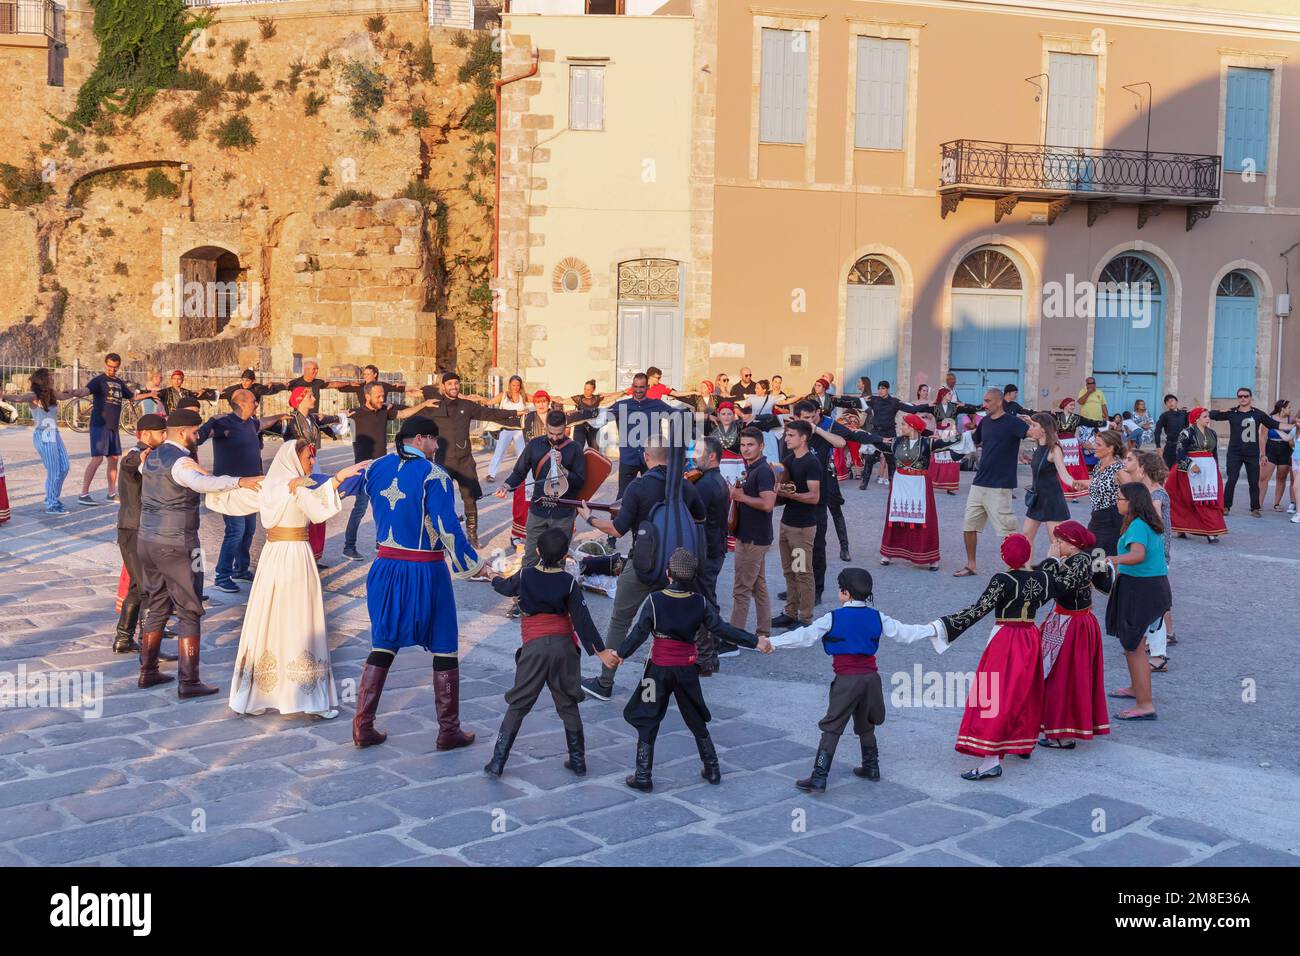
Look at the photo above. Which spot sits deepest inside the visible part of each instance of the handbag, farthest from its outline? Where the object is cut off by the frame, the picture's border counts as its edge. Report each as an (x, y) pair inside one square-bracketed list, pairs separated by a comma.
[(1031, 498)]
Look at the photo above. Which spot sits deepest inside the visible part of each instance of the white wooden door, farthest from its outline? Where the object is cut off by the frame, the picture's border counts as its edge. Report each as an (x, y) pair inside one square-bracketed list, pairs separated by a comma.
[(871, 333), (649, 334)]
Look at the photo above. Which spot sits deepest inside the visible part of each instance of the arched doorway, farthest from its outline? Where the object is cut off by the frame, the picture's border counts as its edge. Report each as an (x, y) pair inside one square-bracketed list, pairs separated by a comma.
[(871, 322), (650, 328), (212, 283), (1128, 343), (987, 340), (1236, 313)]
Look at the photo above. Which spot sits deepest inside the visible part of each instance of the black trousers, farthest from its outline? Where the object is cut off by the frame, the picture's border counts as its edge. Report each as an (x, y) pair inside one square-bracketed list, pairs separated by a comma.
[(860, 696), (627, 471), (173, 584), (546, 662), (648, 704), (1170, 453), (470, 492), (706, 582), (126, 544), (1235, 461)]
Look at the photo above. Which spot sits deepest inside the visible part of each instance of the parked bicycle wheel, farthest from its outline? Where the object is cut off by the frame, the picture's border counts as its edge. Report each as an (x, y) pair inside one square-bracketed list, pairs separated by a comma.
[(130, 416), (75, 414)]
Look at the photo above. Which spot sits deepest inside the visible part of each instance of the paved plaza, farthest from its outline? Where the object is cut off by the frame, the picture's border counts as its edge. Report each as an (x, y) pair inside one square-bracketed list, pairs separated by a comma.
[(155, 781)]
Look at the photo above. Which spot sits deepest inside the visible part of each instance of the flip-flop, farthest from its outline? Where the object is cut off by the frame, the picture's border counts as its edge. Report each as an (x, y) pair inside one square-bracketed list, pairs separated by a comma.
[(1164, 666), (963, 573), (1135, 717), (1118, 696)]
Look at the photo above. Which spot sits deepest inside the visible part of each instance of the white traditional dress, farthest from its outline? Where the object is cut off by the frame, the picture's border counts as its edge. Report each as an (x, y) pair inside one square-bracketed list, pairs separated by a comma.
[(284, 658)]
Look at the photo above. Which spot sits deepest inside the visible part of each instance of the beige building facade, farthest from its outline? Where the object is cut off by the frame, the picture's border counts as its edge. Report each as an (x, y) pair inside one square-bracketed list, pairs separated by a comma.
[(1024, 191)]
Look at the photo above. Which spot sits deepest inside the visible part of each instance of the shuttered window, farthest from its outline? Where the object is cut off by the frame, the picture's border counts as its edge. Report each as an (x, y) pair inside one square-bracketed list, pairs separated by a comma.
[(783, 93), (587, 97), (881, 93), (1245, 127)]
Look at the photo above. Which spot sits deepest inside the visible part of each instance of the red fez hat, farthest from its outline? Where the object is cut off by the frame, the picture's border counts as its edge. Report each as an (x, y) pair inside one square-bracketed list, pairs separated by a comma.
[(1072, 532), (823, 383), (915, 421), (1195, 415), (177, 371), (730, 405), (297, 395), (1016, 550), (1065, 402), (540, 396), (708, 386)]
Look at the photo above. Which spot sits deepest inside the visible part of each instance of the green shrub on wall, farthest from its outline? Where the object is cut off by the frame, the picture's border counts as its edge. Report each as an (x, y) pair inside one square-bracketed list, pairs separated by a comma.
[(140, 49)]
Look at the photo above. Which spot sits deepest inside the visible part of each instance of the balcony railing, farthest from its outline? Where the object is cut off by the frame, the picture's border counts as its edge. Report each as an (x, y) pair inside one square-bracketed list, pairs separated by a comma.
[(1128, 173), (1059, 175), (33, 17)]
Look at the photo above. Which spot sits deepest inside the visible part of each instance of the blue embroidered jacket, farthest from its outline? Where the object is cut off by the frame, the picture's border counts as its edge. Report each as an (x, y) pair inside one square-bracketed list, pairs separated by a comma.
[(413, 503)]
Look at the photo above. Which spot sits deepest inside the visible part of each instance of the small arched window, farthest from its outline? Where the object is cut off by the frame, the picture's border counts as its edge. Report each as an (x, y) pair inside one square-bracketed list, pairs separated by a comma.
[(987, 269)]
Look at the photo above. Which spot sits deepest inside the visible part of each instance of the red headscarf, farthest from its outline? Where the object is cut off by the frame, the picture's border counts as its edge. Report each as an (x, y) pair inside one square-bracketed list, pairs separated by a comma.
[(297, 395), (1016, 550), (940, 395), (915, 421), (1066, 402), (540, 396), (708, 387), (730, 405), (1195, 414), (1076, 534)]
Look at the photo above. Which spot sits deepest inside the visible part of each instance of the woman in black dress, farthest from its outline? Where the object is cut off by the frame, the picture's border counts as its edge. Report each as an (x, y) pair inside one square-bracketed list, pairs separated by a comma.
[(1045, 501)]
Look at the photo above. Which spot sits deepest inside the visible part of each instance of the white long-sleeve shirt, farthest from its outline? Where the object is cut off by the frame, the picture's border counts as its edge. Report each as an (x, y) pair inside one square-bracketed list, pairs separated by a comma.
[(810, 634), (188, 473)]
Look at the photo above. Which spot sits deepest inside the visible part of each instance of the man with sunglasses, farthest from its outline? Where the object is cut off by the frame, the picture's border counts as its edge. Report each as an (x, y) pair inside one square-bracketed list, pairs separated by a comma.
[(1244, 423), (1092, 401), (746, 386)]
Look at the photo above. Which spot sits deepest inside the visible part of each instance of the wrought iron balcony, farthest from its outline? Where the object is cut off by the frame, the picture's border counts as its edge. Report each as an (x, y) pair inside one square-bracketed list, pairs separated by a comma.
[(1010, 173), (31, 17)]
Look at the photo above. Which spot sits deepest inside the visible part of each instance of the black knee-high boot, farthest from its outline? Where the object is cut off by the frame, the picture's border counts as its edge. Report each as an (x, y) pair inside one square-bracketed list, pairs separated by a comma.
[(577, 761), (124, 642), (709, 757), (645, 759), (841, 532), (501, 752), (870, 761), (816, 781)]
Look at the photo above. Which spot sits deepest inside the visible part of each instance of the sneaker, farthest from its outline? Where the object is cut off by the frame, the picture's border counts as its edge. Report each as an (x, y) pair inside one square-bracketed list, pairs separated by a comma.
[(1290, 509), (87, 500), (728, 650), (1296, 520), (111, 498), (243, 575), (1254, 513), (491, 479), (226, 587), (352, 554), (58, 510), (596, 689)]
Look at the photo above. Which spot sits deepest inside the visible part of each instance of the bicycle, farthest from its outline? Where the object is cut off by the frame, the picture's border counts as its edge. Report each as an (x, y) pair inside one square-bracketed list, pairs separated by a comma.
[(75, 414)]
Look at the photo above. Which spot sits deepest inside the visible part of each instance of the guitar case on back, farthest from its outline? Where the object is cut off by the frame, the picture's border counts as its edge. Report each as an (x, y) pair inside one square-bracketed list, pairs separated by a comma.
[(670, 525)]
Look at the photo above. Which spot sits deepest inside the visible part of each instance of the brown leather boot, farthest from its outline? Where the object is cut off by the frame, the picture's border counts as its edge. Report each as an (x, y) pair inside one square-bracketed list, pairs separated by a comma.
[(446, 695), (363, 722), (188, 670), (149, 674)]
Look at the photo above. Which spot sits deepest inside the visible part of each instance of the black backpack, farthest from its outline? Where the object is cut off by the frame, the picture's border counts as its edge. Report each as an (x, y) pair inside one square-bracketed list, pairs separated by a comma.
[(669, 527)]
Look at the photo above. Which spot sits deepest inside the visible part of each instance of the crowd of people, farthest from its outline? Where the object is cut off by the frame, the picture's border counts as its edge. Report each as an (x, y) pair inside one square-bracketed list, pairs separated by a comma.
[(766, 468)]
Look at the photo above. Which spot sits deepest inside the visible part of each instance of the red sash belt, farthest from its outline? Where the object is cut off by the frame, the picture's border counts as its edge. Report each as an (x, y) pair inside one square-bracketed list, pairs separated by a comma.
[(1068, 613), (670, 652), (535, 626), (903, 469), (402, 554), (853, 663)]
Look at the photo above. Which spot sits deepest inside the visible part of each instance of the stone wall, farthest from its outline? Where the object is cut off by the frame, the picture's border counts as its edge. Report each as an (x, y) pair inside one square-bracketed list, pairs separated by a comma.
[(111, 247)]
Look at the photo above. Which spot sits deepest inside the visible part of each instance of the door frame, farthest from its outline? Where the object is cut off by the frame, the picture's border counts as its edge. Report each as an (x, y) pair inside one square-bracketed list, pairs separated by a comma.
[(1031, 282), (1171, 341), (1006, 294), (1094, 45), (906, 285), (1263, 326), (679, 347)]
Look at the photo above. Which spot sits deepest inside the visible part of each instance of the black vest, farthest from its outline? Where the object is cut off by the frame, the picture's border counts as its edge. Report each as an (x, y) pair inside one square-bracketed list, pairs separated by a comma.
[(169, 513)]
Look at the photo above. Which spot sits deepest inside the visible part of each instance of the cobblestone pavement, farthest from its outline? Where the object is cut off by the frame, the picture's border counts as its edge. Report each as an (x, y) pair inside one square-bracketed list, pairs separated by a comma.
[(154, 781)]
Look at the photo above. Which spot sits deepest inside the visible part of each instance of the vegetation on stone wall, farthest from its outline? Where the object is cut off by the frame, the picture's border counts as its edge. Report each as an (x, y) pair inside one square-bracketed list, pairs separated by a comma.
[(140, 49), (349, 196), (23, 187), (236, 133), (158, 185), (367, 86)]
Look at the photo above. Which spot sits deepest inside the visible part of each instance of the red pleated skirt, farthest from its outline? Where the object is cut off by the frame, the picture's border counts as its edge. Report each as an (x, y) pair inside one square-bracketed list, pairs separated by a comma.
[(316, 536), (1079, 472), (851, 452), (1074, 691), (4, 496), (519, 514), (1004, 709), (1186, 516), (945, 475), (918, 543)]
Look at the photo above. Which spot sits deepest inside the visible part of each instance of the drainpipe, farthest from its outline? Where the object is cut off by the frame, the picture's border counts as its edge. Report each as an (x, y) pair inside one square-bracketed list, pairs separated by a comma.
[(496, 209)]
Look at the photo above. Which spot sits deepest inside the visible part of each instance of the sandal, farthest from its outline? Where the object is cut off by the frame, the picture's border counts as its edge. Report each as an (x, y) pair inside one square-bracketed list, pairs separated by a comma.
[(964, 573), (1164, 665), (1133, 715), (1172, 639), (991, 774)]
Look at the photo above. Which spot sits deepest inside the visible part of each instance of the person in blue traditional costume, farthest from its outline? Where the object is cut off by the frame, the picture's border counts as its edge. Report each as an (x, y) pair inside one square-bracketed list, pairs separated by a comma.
[(408, 589)]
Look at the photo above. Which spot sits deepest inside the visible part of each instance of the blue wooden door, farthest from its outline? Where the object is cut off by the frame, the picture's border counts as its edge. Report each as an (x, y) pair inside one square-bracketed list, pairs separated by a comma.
[(1128, 343), (1235, 315), (871, 333), (987, 341)]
